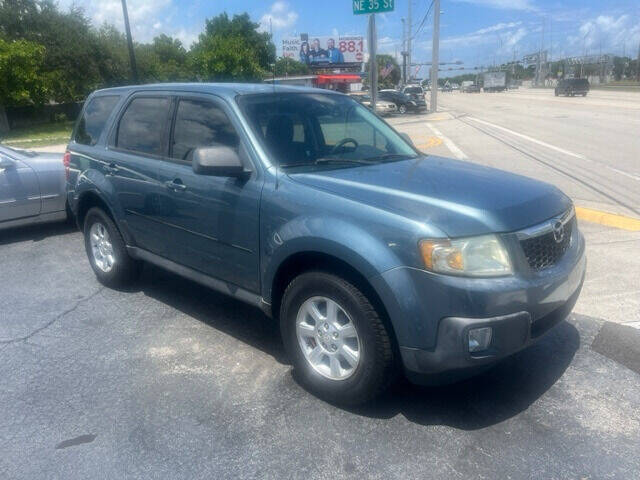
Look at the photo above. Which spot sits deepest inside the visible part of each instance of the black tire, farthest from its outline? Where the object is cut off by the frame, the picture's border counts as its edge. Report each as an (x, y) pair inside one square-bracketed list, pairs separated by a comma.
[(375, 370), (125, 269), (402, 109), (584, 94)]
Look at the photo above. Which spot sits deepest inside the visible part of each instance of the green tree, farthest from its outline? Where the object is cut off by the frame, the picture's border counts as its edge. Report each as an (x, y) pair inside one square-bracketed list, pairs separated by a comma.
[(71, 54), (22, 81), (289, 66), (392, 79), (232, 50), (164, 60), (222, 58)]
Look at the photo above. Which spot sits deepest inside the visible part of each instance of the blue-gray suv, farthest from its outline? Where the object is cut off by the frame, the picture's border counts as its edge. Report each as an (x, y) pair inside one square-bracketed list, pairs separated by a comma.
[(374, 257)]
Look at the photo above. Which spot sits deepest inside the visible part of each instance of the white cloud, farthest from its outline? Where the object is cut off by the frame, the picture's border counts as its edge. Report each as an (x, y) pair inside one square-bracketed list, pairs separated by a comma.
[(608, 33), (278, 17), (525, 5), (497, 27), (148, 18)]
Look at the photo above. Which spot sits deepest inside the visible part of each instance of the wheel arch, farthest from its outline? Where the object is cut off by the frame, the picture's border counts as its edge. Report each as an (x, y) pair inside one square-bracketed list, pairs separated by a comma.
[(308, 260)]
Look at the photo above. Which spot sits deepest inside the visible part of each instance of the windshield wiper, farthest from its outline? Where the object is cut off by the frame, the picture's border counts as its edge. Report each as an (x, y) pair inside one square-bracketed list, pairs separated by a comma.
[(390, 156), (325, 160)]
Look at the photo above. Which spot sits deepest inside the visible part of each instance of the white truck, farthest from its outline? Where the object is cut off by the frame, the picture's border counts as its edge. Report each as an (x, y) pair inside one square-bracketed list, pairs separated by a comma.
[(495, 81)]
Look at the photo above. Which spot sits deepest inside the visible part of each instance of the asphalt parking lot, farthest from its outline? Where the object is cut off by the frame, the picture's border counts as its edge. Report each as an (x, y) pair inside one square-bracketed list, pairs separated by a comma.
[(172, 380)]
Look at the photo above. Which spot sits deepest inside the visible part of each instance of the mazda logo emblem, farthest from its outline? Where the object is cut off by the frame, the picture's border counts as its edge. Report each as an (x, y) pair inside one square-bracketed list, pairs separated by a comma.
[(558, 231)]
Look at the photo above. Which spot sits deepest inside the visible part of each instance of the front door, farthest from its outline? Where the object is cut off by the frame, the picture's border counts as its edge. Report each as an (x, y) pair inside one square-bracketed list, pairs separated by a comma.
[(214, 221), (19, 191)]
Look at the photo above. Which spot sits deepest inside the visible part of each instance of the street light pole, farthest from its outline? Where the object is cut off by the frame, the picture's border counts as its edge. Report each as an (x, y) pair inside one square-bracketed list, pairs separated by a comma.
[(435, 55), (132, 56), (409, 28), (373, 61)]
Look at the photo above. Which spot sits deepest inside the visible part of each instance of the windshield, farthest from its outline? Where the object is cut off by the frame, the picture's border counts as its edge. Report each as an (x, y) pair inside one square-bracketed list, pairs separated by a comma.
[(307, 131)]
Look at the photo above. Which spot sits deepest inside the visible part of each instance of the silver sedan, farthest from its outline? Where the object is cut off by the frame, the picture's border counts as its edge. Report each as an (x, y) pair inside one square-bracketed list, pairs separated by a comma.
[(32, 187)]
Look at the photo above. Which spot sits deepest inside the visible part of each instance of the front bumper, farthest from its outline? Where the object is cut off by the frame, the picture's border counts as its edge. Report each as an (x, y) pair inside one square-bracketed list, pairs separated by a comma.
[(451, 359), (432, 314)]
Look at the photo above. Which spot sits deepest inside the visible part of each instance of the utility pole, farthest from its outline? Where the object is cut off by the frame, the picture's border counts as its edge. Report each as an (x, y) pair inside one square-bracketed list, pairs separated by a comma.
[(404, 52), (638, 65), (132, 56), (373, 61), (435, 55), (409, 28)]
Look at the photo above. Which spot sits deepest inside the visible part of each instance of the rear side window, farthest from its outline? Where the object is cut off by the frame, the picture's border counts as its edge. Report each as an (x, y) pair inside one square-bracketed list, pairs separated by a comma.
[(94, 119), (201, 124), (143, 124)]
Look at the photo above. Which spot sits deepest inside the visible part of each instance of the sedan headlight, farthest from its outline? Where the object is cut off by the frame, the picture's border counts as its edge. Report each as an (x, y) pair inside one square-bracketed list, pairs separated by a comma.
[(482, 256)]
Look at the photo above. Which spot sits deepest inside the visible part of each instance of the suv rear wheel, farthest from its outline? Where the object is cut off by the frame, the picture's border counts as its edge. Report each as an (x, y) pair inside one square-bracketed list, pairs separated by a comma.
[(107, 252), (339, 347)]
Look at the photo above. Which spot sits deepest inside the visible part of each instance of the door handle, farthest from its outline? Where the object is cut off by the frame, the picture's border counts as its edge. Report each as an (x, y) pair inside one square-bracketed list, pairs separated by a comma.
[(176, 185), (111, 168)]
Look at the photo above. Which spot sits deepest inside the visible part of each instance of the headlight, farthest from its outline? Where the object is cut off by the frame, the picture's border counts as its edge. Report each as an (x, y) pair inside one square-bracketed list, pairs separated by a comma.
[(483, 256)]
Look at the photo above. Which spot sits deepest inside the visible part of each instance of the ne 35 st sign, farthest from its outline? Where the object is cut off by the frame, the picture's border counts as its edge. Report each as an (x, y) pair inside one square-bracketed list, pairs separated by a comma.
[(372, 6)]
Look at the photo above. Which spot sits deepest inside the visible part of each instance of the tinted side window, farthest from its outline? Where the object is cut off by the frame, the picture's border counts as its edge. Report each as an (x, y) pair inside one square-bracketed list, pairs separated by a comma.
[(142, 126), (94, 118), (201, 124)]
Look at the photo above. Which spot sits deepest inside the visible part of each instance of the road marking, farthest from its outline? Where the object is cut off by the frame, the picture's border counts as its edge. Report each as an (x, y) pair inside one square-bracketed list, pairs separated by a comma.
[(459, 154), (526, 137), (557, 149), (430, 143), (608, 219)]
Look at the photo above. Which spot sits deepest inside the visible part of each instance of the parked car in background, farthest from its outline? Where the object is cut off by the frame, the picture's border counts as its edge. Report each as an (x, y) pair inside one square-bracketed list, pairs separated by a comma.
[(303, 203), (416, 93), (32, 187), (572, 86), (383, 107), (403, 102), (469, 87)]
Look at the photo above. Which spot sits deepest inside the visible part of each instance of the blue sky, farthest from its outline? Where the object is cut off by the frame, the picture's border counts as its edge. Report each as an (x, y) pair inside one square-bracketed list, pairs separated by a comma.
[(477, 32)]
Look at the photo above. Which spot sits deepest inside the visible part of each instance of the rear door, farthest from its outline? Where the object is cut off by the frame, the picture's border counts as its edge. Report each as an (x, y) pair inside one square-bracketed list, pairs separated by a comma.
[(212, 222), (139, 141), (19, 190)]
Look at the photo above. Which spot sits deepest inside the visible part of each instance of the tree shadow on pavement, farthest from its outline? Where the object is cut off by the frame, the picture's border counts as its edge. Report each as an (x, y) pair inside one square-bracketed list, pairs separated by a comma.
[(36, 233), (233, 317), (489, 398)]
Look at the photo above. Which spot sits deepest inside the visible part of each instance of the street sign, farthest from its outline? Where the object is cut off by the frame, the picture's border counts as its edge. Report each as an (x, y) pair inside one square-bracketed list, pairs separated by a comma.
[(361, 7)]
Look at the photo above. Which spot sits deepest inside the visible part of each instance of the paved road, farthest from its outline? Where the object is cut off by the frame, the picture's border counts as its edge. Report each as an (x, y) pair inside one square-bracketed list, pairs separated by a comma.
[(171, 380), (588, 147)]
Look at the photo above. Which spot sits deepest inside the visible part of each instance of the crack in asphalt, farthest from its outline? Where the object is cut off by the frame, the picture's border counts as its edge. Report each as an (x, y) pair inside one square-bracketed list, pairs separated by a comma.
[(50, 322)]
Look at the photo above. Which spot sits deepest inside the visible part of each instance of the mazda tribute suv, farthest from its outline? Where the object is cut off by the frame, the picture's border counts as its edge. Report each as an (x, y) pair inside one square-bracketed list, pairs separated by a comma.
[(375, 258)]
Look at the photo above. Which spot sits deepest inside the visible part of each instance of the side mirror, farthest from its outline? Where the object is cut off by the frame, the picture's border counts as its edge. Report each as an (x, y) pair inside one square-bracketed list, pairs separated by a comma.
[(219, 161), (407, 138), (6, 163)]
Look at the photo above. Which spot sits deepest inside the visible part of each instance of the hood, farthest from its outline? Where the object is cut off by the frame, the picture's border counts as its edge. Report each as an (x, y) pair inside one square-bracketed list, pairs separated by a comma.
[(459, 198)]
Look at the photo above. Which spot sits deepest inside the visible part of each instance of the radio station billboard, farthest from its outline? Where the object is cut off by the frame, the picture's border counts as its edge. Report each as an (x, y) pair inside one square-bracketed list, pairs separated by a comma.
[(323, 52)]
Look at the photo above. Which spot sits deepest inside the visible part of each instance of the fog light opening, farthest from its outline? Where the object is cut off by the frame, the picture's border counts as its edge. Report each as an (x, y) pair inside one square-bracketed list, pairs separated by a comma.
[(479, 339)]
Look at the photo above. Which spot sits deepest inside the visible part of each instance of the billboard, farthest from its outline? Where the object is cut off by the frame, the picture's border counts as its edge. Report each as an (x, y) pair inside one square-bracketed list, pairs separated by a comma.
[(323, 52)]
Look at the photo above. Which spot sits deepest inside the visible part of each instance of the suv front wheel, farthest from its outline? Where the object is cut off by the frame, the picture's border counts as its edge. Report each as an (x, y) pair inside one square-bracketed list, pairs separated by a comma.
[(339, 346), (107, 251)]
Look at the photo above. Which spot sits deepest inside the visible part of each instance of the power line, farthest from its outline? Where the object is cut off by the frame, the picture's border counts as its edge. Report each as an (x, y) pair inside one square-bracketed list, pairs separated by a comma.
[(422, 23)]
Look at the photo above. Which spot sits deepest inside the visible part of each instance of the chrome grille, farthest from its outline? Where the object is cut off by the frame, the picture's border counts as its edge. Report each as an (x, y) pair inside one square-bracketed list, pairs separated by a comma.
[(544, 245)]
